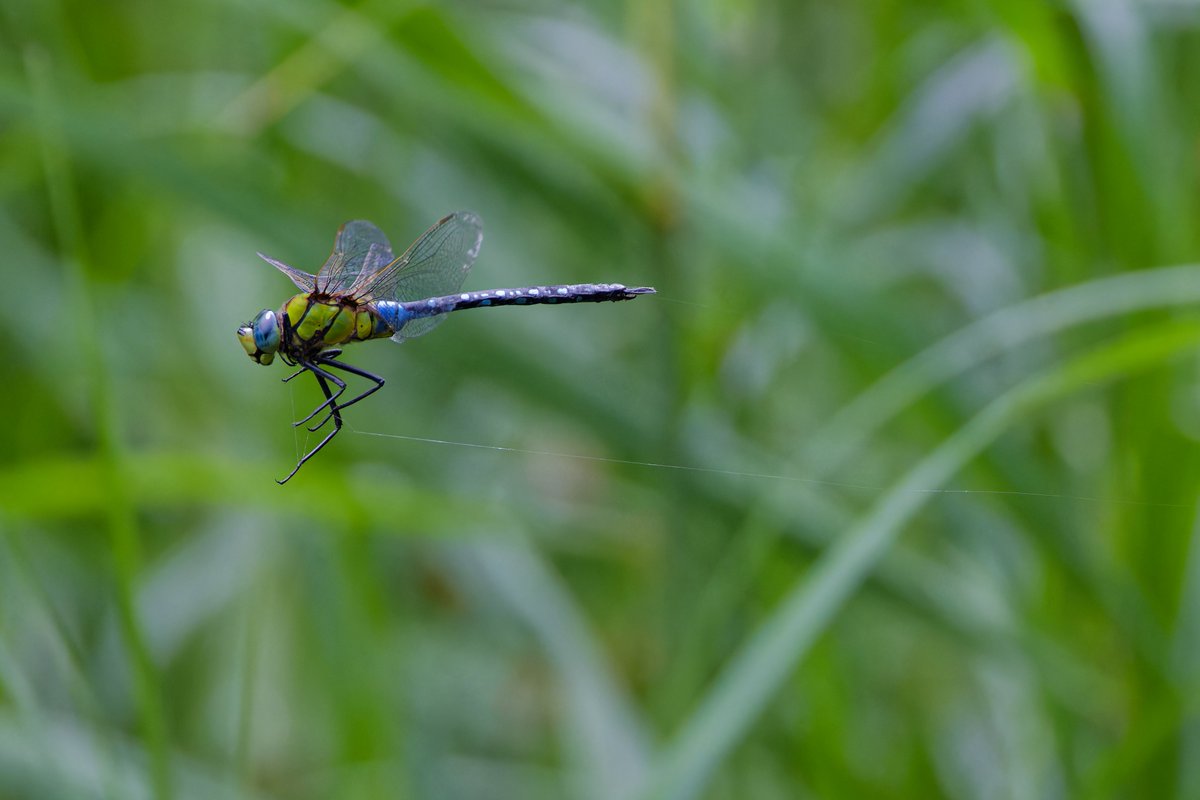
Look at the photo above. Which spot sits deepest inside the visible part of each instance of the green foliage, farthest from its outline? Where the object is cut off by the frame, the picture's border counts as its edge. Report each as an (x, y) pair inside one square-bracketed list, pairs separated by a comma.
[(889, 492)]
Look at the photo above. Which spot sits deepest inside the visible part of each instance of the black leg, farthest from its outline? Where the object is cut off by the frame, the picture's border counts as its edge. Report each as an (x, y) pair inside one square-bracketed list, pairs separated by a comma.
[(330, 399), (327, 359), (362, 373), (302, 370), (321, 376)]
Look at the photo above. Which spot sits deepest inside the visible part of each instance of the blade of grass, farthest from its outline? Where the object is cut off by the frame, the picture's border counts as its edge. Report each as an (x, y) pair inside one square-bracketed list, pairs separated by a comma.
[(606, 738), (120, 518), (165, 480), (1185, 658), (848, 432), (753, 676), (353, 33), (29, 592)]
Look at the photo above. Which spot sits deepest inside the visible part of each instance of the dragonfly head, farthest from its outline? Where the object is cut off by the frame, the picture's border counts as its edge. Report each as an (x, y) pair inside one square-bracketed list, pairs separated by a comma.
[(260, 337)]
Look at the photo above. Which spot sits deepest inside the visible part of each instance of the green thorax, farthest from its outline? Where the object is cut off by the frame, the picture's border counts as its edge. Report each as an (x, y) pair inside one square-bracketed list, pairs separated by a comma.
[(319, 322)]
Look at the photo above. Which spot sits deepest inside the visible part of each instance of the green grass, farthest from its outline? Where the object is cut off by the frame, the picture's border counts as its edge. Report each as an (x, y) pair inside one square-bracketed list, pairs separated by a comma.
[(889, 492)]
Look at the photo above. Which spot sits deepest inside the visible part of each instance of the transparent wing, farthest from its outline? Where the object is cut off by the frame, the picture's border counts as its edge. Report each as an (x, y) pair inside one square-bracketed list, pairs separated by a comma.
[(304, 282), (435, 265), (359, 249)]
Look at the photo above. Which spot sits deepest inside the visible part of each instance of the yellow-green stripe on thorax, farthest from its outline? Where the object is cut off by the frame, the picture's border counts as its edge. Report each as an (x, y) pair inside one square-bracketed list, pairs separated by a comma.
[(327, 322)]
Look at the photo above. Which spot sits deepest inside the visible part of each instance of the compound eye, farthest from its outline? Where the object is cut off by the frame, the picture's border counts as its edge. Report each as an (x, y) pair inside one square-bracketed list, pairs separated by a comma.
[(266, 332)]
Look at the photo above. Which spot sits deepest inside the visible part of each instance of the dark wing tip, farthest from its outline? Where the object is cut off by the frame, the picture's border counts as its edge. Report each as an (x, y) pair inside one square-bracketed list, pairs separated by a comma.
[(463, 217)]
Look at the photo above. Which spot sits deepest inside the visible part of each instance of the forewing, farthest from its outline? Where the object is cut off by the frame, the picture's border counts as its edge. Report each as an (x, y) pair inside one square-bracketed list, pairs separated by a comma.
[(435, 265), (304, 282), (359, 249)]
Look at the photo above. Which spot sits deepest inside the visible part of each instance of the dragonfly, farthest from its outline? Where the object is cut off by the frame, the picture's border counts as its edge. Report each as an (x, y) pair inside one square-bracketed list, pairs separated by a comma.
[(364, 292)]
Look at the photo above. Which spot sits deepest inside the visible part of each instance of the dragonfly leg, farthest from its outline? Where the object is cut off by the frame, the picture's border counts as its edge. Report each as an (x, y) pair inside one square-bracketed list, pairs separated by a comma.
[(321, 376), (327, 359), (330, 399), (303, 370)]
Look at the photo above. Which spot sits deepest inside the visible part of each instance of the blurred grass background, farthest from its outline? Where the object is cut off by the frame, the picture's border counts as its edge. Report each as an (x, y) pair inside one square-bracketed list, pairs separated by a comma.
[(925, 329)]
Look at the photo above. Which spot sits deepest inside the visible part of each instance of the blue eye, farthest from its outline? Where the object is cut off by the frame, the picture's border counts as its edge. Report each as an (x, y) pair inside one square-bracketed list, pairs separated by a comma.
[(266, 332)]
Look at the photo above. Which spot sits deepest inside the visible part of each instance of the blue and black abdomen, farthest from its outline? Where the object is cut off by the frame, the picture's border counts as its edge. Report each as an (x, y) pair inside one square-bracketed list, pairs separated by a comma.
[(398, 314)]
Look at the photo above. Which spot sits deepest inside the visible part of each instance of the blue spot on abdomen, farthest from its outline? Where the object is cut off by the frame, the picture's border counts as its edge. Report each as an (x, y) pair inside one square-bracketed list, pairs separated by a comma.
[(393, 313)]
